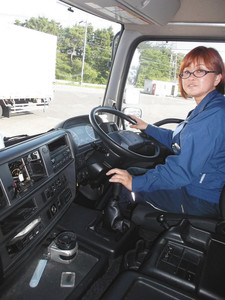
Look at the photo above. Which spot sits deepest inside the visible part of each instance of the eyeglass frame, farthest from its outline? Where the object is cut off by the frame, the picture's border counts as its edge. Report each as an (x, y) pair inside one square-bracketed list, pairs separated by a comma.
[(190, 73)]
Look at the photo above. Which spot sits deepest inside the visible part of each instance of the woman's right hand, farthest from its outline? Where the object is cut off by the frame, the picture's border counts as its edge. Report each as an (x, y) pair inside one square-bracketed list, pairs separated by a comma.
[(141, 125), (121, 176)]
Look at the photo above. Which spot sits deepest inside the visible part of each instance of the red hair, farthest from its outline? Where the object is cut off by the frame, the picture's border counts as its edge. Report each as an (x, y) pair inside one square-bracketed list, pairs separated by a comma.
[(211, 59)]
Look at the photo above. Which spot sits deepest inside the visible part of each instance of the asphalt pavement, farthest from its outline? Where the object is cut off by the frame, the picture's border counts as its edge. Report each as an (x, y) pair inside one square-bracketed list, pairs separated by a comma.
[(70, 101)]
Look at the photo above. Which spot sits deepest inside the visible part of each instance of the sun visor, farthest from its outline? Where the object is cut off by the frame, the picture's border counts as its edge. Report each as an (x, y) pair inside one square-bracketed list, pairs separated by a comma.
[(139, 12), (153, 11)]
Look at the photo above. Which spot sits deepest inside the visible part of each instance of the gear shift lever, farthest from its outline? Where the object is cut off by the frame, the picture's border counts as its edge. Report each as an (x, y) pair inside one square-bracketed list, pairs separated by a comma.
[(117, 187), (112, 215)]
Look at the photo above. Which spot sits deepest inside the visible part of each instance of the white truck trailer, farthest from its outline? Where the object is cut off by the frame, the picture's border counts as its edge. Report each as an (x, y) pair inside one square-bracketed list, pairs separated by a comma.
[(27, 74)]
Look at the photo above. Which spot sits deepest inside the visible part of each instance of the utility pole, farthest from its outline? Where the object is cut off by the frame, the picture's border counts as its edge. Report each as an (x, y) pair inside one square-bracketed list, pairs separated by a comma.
[(84, 50), (175, 68)]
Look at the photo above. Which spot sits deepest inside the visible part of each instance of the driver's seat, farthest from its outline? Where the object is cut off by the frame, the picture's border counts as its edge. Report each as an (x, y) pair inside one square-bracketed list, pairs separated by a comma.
[(145, 216)]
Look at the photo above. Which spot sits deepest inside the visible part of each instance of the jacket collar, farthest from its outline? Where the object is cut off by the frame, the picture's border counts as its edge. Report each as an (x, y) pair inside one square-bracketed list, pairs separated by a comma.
[(202, 105)]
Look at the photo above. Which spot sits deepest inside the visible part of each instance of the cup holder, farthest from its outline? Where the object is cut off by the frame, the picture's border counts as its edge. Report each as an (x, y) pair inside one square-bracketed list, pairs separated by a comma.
[(64, 248)]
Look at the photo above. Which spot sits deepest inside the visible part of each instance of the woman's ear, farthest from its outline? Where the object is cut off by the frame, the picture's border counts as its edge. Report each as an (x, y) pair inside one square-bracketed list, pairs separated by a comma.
[(217, 79)]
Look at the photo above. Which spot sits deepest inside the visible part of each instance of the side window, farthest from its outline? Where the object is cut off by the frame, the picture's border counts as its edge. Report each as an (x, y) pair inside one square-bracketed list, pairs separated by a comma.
[(152, 81)]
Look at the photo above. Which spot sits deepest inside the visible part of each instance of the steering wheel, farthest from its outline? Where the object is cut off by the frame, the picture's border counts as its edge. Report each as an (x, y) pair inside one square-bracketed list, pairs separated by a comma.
[(129, 135)]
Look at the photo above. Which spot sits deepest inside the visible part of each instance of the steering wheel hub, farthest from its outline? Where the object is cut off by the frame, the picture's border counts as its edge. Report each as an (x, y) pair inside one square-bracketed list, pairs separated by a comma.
[(121, 142)]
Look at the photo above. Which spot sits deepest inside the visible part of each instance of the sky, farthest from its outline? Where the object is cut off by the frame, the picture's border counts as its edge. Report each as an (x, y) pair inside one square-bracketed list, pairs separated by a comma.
[(51, 9)]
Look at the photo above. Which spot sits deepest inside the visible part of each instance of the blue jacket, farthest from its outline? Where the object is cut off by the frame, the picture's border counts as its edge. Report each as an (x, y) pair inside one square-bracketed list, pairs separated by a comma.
[(199, 165)]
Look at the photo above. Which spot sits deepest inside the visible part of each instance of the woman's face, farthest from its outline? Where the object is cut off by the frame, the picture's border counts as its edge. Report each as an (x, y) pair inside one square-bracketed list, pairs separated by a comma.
[(200, 87)]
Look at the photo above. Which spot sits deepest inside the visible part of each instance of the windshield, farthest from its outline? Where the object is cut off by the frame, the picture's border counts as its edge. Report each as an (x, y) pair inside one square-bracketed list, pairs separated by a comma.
[(55, 64)]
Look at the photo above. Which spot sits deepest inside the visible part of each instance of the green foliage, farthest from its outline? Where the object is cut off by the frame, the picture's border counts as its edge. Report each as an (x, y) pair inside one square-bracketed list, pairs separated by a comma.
[(63, 67), (158, 61), (41, 24), (90, 75)]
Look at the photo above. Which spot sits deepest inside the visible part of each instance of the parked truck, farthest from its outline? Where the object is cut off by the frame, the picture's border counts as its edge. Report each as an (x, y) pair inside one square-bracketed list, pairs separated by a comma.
[(160, 88), (27, 60)]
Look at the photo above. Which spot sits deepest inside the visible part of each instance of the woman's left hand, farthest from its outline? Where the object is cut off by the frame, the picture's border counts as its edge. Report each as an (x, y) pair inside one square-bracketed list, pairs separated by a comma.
[(121, 176)]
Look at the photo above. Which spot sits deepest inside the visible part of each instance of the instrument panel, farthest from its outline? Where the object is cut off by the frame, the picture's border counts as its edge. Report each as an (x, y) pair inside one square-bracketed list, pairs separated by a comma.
[(26, 171), (83, 134)]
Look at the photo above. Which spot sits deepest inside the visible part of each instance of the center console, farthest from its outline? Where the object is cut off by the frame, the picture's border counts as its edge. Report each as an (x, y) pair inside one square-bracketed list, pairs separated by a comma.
[(50, 247), (37, 186), (62, 268)]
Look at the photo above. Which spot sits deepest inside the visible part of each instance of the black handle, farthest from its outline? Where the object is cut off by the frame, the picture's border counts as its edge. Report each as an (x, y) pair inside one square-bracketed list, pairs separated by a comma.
[(117, 187), (131, 120)]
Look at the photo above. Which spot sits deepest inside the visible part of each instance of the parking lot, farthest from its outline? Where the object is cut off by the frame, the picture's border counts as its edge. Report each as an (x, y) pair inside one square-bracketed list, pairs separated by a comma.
[(70, 101)]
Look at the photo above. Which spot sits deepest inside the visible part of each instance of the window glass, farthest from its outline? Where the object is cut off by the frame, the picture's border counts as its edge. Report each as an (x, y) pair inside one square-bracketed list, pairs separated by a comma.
[(55, 63), (152, 82)]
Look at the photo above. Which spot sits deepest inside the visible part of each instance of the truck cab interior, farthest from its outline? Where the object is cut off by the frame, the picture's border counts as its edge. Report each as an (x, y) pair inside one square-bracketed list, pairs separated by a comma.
[(58, 239)]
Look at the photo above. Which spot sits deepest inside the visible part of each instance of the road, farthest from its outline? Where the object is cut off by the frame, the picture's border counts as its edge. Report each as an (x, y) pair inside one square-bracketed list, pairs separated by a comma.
[(78, 101), (69, 101)]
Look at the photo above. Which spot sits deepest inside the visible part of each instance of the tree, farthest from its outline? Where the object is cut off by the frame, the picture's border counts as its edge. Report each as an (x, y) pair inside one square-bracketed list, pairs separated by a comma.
[(100, 53), (41, 24), (158, 62), (63, 67)]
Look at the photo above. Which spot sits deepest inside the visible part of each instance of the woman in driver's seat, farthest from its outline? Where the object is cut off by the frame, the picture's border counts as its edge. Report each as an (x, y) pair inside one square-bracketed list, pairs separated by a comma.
[(191, 180)]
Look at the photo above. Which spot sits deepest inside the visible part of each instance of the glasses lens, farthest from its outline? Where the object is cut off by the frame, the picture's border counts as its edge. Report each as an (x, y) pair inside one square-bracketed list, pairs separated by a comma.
[(199, 73), (184, 75)]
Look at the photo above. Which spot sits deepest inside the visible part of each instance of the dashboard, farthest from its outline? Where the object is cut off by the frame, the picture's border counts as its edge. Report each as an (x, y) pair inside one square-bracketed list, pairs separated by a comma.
[(39, 179), (26, 171), (83, 134), (37, 185), (80, 130)]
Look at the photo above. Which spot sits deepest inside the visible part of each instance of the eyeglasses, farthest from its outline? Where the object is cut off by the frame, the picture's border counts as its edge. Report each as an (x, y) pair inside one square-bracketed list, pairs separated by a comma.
[(197, 73)]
